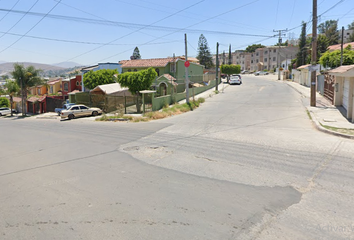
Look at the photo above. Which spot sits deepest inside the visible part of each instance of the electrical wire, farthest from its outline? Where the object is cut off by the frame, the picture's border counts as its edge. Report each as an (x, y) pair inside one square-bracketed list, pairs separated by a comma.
[(25, 13), (187, 27), (31, 27), (11, 9), (80, 42)]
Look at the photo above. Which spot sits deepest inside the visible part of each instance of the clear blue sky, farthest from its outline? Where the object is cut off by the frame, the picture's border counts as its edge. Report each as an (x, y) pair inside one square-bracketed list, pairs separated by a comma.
[(88, 32)]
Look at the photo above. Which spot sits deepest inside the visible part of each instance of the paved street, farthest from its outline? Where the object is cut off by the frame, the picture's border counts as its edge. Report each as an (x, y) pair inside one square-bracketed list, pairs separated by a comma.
[(247, 164)]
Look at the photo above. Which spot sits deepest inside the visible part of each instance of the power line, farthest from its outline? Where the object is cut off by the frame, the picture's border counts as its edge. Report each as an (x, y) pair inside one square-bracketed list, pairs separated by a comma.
[(31, 27), (11, 9), (138, 26), (20, 18), (79, 42), (188, 26), (138, 29)]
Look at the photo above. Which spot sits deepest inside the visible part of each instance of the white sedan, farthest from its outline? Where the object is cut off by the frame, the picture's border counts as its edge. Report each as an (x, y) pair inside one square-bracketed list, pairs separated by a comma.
[(5, 111), (79, 111), (235, 79)]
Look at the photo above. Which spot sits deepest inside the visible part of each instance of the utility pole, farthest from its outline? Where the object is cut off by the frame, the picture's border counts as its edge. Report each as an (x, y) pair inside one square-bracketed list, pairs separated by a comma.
[(341, 47), (314, 54), (279, 43), (187, 80), (217, 67)]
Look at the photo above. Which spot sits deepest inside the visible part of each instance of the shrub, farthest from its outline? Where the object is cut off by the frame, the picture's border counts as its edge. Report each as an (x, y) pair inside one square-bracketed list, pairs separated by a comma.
[(4, 102)]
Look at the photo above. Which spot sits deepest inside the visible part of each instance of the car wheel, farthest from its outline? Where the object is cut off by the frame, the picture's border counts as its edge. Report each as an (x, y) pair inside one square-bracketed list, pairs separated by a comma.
[(0, 114), (71, 116), (94, 113)]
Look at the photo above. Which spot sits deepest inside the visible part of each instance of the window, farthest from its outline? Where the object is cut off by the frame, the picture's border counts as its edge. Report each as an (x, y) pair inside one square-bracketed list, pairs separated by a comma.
[(257, 60), (251, 61), (257, 54), (135, 70), (51, 89), (129, 70), (77, 83), (265, 52), (66, 87), (273, 66), (237, 57), (274, 59), (38, 91), (158, 71), (83, 107), (251, 55), (172, 67), (266, 59), (243, 62), (75, 108), (274, 50)]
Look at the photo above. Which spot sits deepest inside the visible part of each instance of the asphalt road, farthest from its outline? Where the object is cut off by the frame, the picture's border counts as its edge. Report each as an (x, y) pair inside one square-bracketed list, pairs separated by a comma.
[(246, 165)]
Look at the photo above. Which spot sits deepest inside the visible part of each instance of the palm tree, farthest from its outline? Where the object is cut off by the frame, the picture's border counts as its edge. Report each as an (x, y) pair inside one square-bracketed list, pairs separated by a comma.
[(26, 78), (12, 89)]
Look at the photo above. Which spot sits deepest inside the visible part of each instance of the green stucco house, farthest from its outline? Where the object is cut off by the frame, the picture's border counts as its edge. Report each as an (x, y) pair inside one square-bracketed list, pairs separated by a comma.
[(170, 71)]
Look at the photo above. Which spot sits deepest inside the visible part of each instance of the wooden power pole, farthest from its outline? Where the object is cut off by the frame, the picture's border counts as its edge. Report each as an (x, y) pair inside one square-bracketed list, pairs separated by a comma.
[(314, 54), (217, 67)]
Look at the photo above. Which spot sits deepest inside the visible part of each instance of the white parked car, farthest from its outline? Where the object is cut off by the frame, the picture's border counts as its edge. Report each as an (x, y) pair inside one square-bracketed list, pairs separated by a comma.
[(261, 73), (79, 111), (235, 79), (5, 111)]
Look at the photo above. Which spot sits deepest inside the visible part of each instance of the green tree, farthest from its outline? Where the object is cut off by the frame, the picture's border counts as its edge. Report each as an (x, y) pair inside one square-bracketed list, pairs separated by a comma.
[(223, 57), (252, 48), (136, 54), (230, 69), (302, 54), (26, 78), (4, 102), (322, 45), (204, 55), (12, 88), (137, 81), (351, 27), (332, 59), (329, 28), (100, 77)]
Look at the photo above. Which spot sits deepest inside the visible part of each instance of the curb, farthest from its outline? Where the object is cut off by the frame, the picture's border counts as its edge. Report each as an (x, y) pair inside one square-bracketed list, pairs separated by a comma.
[(319, 127), (317, 124)]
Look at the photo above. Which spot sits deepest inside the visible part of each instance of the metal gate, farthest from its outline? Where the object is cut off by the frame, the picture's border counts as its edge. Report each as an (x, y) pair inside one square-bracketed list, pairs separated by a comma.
[(329, 87)]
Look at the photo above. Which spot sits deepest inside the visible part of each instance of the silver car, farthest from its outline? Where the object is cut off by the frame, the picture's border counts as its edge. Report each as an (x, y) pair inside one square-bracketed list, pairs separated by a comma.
[(79, 111), (5, 111)]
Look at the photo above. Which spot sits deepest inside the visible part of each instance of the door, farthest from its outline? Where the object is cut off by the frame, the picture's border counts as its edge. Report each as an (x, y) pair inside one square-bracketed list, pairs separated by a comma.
[(85, 111), (345, 100), (76, 111)]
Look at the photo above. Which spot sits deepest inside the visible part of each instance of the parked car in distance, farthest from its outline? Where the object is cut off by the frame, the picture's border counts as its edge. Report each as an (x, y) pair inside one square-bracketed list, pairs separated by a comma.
[(245, 71), (261, 73), (235, 79), (65, 106), (5, 111), (79, 111)]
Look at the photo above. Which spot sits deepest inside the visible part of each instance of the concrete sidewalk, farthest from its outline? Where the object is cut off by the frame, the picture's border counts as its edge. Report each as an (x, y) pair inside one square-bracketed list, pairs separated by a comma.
[(326, 117)]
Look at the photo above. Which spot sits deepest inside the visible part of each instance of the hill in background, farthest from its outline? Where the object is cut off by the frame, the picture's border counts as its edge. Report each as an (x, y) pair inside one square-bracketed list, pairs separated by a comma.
[(48, 70)]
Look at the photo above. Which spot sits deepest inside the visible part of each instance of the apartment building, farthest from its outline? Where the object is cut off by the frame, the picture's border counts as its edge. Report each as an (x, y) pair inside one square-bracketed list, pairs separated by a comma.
[(262, 59)]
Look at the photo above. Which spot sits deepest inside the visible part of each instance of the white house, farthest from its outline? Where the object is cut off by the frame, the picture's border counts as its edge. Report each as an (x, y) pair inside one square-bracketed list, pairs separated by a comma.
[(344, 89)]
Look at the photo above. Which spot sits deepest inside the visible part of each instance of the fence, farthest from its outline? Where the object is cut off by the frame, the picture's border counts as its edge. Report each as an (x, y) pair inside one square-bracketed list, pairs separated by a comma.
[(113, 104), (159, 102)]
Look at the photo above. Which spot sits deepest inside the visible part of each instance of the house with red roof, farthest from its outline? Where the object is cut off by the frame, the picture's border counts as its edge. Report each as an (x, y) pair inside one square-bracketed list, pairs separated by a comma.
[(170, 72)]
